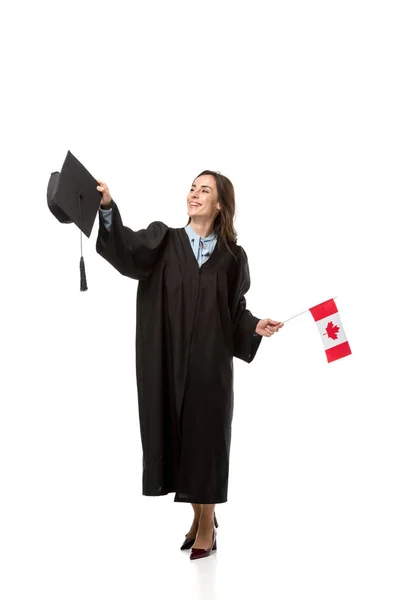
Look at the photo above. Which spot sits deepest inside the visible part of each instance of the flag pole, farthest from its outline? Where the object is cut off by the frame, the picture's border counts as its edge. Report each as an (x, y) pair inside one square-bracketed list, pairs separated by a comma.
[(301, 313)]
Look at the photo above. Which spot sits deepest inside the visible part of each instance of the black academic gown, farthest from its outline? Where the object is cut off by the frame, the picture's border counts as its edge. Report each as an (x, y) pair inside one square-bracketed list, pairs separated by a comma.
[(190, 323)]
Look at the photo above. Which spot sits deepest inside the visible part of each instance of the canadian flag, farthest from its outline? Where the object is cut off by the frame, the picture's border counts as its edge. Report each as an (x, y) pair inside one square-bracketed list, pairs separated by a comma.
[(327, 319)]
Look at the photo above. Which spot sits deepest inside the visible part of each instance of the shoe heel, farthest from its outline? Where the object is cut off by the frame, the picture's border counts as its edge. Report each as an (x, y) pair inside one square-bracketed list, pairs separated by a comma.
[(215, 545)]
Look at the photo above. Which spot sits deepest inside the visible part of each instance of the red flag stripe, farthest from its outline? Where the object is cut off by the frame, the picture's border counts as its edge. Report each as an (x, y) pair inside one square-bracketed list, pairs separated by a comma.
[(320, 311), (338, 352)]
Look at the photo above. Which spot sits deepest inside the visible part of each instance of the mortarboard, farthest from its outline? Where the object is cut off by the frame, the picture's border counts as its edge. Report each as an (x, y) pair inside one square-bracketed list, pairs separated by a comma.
[(73, 197)]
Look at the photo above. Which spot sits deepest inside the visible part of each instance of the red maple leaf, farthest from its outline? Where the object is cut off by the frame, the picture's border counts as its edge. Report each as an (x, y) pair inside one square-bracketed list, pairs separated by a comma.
[(332, 330)]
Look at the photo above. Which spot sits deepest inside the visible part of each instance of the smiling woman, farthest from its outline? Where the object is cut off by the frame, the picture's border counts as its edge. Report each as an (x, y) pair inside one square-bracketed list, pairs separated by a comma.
[(191, 322), (207, 212)]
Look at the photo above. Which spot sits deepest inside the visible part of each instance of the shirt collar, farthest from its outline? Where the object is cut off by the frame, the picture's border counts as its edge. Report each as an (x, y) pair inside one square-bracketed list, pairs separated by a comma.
[(193, 235)]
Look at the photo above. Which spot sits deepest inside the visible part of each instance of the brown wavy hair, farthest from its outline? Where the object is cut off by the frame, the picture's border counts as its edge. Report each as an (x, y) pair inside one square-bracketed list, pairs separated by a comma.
[(223, 223)]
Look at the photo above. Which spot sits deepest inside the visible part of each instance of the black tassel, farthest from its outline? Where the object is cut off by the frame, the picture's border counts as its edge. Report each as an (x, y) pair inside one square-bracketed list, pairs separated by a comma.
[(84, 286)]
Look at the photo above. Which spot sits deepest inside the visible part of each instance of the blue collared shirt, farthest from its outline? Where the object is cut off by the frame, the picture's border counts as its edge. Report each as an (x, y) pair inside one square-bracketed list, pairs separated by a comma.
[(202, 247)]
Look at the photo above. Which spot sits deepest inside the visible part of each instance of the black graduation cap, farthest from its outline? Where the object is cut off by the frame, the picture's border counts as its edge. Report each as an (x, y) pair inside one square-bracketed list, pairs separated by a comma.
[(73, 197)]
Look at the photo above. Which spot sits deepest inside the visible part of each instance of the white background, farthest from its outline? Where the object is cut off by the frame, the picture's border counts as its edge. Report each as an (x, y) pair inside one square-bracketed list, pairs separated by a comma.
[(298, 104)]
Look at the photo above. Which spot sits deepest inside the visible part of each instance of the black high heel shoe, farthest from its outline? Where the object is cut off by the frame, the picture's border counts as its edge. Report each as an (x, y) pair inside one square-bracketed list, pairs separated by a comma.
[(188, 543)]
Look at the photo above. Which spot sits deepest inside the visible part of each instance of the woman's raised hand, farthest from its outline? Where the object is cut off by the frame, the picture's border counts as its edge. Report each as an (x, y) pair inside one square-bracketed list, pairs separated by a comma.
[(268, 327), (106, 199)]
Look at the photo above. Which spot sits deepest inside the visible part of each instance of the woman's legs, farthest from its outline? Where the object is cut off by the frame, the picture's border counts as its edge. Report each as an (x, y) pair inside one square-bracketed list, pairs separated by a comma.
[(195, 525), (206, 526)]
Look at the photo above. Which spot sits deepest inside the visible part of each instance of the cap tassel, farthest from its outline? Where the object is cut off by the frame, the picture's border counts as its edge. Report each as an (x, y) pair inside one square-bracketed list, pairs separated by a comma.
[(84, 286)]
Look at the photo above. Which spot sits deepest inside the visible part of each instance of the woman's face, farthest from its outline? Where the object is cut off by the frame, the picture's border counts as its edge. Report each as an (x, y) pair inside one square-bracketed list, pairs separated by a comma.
[(202, 200)]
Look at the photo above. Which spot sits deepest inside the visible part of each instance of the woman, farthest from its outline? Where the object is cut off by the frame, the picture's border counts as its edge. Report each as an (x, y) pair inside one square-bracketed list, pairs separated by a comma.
[(191, 321)]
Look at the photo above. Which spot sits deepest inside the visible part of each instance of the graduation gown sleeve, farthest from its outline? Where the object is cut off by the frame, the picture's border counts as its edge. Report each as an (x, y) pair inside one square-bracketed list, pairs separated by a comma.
[(245, 343), (132, 253)]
